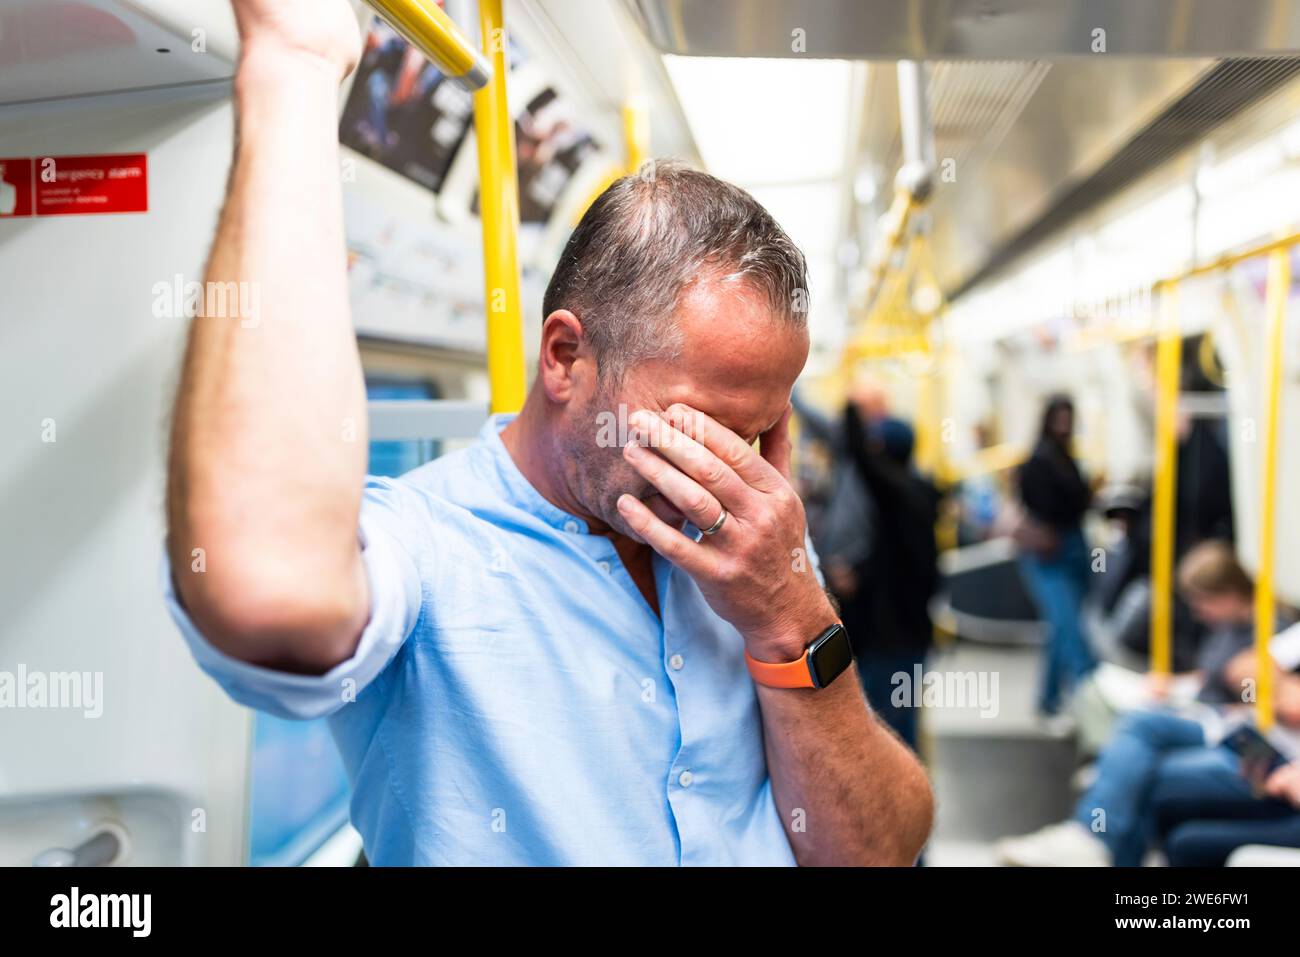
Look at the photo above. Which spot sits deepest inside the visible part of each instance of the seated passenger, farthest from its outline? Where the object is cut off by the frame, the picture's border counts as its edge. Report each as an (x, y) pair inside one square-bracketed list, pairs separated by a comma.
[(584, 640), (1202, 818), (1113, 820)]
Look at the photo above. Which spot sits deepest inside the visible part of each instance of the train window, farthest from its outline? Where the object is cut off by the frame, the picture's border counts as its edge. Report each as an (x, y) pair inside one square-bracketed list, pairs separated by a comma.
[(395, 458), (299, 793)]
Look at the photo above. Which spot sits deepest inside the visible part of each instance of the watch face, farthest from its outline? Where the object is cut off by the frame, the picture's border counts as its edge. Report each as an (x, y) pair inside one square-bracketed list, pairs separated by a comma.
[(829, 656)]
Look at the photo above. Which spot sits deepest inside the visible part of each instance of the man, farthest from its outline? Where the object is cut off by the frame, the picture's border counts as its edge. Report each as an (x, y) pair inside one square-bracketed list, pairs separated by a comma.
[(525, 660)]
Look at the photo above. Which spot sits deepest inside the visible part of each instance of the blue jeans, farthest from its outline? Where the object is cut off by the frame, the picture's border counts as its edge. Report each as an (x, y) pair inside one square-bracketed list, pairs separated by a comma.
[(1202, 815), (1058, 587), (1152, 757)]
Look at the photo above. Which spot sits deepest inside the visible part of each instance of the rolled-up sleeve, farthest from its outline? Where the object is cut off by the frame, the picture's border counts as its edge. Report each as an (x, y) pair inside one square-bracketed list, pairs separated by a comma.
[(395, 603)]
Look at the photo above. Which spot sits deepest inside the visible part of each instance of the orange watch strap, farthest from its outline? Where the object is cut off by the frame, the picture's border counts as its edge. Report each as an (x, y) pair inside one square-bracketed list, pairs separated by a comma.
[(783, 674)]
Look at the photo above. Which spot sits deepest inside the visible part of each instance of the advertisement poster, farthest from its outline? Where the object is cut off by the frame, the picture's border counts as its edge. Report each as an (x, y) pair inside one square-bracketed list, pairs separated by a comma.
[(403, 112), (551, 146)]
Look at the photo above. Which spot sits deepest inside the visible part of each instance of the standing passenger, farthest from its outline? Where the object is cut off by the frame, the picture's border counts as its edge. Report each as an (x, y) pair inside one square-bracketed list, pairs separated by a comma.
[(877, 545), (901, 573), (1053, 555), (563, 645)]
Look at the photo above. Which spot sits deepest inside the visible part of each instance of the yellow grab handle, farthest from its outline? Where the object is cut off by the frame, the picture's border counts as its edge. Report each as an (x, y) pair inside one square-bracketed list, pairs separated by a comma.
[(426, 26)]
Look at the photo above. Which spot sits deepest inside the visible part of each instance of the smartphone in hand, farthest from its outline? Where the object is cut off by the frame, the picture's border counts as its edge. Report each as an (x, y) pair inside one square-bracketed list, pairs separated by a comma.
[(1259, 758)]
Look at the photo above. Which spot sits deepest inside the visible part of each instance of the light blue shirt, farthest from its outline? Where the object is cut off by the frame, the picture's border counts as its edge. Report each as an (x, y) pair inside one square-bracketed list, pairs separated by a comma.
[(515, 700)]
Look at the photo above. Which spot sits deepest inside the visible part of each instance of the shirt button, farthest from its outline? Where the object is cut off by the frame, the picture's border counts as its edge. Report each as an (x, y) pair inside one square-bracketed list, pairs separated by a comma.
[(570, 526), (676, 662), (604, 567), (685, 779)]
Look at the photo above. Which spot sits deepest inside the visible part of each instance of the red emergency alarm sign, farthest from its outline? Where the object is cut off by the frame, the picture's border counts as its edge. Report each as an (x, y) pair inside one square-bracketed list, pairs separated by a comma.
[(74, 185)]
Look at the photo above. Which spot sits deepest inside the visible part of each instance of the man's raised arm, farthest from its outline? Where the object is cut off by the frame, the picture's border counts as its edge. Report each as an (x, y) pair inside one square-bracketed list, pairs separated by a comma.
[(268, 446)]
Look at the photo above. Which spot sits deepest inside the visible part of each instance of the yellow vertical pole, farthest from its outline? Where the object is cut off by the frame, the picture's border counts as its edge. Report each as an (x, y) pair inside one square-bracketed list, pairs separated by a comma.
[(927, 425), (1169, 361), (494, 128), (636, 135), (1279, 285)]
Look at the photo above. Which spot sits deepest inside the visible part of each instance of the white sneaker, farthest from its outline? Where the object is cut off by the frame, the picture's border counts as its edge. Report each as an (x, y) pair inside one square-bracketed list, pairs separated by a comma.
[(1068, 844), (1059, 725)]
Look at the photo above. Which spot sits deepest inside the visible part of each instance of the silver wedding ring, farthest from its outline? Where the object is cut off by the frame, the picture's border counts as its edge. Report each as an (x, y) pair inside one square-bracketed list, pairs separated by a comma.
[(713, 529)]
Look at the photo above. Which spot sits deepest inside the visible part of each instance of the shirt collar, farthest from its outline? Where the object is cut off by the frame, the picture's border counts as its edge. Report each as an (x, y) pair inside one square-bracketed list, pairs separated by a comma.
[(517, 487)]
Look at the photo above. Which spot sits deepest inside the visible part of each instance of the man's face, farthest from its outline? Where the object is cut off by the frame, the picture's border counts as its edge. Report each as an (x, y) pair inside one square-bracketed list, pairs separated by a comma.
[(738, 364)]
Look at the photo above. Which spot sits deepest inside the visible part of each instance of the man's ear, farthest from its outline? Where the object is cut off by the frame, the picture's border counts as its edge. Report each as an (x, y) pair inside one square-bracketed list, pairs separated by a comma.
[(566, 364)]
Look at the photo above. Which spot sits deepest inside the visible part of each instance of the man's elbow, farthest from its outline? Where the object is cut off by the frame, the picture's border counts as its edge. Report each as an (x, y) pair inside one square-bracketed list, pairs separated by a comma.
[(917, 817), (910, 824), (262, 613)]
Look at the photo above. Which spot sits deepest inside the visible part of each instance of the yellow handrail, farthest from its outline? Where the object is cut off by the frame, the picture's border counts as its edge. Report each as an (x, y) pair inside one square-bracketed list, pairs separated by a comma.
[(879, 346), (1279, 285), (1169, 355), (425, 26), (990, 461), (1116, 334), (494, 128), (896, 221), (636, 135), (1168, 368), (1228, 260)]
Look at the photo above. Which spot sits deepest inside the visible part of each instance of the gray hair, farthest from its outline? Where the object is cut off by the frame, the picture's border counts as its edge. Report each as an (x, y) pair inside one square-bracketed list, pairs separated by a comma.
[(651, 235)]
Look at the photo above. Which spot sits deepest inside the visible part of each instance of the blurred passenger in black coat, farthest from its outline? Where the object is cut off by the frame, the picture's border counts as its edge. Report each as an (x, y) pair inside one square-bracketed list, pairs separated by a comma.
[(888, 617), (876, 542)]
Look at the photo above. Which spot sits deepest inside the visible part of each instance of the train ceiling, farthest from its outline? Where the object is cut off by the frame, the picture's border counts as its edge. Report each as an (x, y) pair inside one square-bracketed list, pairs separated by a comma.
[(970, 29), (1044, 107)]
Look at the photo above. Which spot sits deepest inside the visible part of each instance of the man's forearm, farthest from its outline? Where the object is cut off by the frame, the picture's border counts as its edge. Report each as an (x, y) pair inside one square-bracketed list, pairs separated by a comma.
[(269, 435), (849, 792)]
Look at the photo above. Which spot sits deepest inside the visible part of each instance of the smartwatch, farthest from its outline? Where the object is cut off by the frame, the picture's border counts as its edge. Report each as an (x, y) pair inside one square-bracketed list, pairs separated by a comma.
[(827, 657)]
